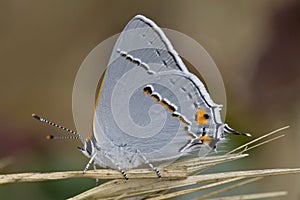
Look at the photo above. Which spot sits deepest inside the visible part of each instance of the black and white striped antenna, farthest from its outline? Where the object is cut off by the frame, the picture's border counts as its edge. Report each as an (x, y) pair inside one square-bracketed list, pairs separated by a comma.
[(75, 134)]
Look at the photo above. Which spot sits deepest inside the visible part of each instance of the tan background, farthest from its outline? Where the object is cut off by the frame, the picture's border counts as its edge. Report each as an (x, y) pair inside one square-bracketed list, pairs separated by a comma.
[(255, 44)]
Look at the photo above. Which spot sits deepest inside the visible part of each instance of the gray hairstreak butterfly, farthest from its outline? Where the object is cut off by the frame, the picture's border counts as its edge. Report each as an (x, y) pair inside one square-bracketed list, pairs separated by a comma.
[(150, 109)]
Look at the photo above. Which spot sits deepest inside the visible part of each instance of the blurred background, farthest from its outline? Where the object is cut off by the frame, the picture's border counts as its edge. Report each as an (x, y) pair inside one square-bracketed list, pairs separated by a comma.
[(255, 44)]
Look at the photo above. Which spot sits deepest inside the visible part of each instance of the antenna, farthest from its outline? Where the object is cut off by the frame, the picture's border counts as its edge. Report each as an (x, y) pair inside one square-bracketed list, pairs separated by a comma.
[(68, 137), (77, 135)]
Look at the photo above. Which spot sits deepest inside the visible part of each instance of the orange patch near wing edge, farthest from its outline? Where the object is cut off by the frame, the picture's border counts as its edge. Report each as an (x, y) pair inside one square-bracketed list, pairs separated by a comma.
[(155, 97), (201, 117), (205, 139)]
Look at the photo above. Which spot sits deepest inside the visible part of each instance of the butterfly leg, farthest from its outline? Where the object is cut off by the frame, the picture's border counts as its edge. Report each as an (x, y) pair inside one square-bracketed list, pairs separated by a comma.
[(97, 179), (89, 163), (122, 171), (108, 157), (149, 164), (117, 165)]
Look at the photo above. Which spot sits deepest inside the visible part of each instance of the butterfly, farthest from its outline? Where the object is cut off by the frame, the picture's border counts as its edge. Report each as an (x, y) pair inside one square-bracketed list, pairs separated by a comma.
[(150, 109)]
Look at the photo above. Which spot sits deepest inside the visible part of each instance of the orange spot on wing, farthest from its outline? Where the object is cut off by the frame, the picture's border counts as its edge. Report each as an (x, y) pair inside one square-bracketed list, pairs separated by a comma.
[(147, 92), (167, 105), (205, 139), (201, 117), (155, 98), (170, 109), (163, 103)]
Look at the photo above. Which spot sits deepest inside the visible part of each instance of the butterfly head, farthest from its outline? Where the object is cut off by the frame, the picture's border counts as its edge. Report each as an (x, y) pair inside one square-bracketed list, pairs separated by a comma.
[(88, 147)]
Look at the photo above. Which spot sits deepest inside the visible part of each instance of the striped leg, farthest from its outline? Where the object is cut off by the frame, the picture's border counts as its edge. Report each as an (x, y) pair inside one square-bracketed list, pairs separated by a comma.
[(150, 164), (122, 171), (97, 179), (117, 165), (89, 163)]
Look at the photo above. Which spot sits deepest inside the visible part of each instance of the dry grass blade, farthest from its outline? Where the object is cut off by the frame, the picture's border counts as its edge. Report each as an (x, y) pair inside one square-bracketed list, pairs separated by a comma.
[(175, 171), (214, 193), (253, 196), (187, 191), (208, 160), (197, 164), (178, 173), (257, 139), (137, 187), (265, 142)]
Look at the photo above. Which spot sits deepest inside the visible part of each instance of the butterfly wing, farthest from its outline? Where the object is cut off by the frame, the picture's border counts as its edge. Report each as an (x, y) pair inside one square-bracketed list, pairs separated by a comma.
[(159, 123)]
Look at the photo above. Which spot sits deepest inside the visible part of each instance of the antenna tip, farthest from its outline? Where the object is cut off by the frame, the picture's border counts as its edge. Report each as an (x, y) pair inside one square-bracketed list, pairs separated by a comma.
[(49, 137), (36, 117), (248, 134)]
